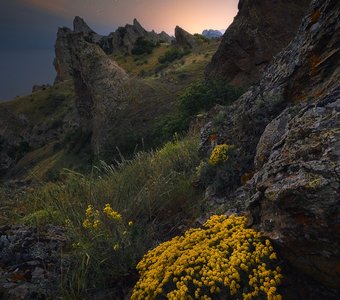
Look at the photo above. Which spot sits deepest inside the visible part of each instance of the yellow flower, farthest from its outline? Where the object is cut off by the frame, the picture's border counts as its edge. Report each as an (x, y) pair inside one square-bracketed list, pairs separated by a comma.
[(219, 154), (130, 224), (210, 259)]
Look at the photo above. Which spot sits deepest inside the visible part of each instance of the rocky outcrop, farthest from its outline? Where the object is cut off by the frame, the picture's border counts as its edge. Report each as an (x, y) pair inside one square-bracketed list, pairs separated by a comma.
[(31, 265), (305, 69), (287, 131), (259, 31), (79, 25), (294, 197), (120, 41), (62, 60), (211, 33), (99, 84), (124, 38), (184, 39)]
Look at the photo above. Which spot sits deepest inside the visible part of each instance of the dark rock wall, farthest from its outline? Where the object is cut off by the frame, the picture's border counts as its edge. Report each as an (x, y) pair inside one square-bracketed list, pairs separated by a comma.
[(259, 31)]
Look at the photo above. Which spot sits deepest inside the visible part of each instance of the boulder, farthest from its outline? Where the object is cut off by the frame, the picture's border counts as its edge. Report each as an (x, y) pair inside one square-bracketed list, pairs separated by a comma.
[(260, 30), (184, 39)]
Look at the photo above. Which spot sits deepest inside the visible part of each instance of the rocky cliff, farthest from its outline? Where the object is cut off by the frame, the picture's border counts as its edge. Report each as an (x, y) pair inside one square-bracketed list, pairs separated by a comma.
[(124, 38), (287, 131), (99, 85), (259, 31), (184, 39), (120, 41)]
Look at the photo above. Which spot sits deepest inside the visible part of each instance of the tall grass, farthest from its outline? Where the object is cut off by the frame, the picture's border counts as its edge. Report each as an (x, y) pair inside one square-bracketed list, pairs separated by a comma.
[(153, 192)]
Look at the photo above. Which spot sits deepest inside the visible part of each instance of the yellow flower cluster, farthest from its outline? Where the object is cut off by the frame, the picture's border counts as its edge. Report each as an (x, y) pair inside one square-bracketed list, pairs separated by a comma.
[(111, 213), (91, 218), (219, 154), (222, 260)]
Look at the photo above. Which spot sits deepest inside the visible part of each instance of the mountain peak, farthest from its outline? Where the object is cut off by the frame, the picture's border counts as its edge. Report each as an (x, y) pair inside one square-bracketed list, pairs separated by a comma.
[(79, 25)]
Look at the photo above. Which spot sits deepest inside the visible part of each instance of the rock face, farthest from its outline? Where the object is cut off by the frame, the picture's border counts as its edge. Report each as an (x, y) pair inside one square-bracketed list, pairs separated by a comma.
[(121, 41), (211, 33), (184, 39), (259, 31), (31, 262), (124, 38), (79, 25), (99, 84), (62, 61), (287, 130)]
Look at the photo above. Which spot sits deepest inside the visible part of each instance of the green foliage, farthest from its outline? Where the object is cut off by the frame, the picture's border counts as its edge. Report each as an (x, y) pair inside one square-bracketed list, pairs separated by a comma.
[(41, 217), (153, 190), (172, 55), (202, 96), (142, 46), (199, 97)]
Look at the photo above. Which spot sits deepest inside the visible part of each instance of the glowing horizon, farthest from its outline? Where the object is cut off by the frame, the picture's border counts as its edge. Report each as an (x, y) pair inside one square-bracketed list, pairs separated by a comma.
[(160, 15)]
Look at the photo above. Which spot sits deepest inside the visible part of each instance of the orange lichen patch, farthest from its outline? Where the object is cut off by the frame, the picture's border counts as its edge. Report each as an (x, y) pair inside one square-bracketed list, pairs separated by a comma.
[(315, 16), (304, 220), (246, 177), (213, 137), (314, 62)]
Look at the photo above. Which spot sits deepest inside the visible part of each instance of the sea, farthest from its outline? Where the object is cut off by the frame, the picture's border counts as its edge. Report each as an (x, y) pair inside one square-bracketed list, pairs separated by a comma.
[(21, 69)]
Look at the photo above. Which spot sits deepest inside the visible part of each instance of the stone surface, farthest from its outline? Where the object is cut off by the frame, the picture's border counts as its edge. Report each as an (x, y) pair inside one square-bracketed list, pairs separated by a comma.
[(124, 38), (100, 88), (31, 264), (306, 69), (62, 61), (184, 39), (259, 31), (287, 131)]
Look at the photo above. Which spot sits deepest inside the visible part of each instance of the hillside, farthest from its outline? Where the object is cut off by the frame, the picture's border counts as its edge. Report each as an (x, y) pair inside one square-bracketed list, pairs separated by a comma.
[(144, 173), (48, 133)]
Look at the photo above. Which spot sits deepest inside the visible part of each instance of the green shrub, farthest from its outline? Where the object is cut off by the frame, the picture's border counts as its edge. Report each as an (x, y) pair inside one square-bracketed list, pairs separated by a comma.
[(142, 46), (172, 55), (198, 97), (224, 260)]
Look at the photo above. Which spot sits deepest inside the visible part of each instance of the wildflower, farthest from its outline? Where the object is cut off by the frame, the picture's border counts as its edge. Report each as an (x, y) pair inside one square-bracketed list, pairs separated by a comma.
[(111, 213), (210, 259), (219, 154)]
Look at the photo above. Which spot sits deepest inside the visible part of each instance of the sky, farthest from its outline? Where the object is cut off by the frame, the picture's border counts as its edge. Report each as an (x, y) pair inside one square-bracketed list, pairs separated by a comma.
[(28, 29)]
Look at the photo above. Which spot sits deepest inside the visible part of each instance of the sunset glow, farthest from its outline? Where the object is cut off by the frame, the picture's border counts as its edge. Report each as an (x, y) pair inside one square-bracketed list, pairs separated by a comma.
[(192, 15)]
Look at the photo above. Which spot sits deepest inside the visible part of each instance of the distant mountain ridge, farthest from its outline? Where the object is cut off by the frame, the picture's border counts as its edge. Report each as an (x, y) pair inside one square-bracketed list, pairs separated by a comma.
[(120, 41), (212, 33)]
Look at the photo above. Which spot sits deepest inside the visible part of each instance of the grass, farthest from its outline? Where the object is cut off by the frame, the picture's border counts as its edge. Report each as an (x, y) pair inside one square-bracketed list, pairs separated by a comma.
[(153, 190)]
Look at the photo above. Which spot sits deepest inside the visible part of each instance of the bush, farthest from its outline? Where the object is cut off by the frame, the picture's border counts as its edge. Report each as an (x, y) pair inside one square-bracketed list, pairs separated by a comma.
[(202, 96), (142, 46), (224, 260), (219, 154), (198, 97), (171, 55)]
